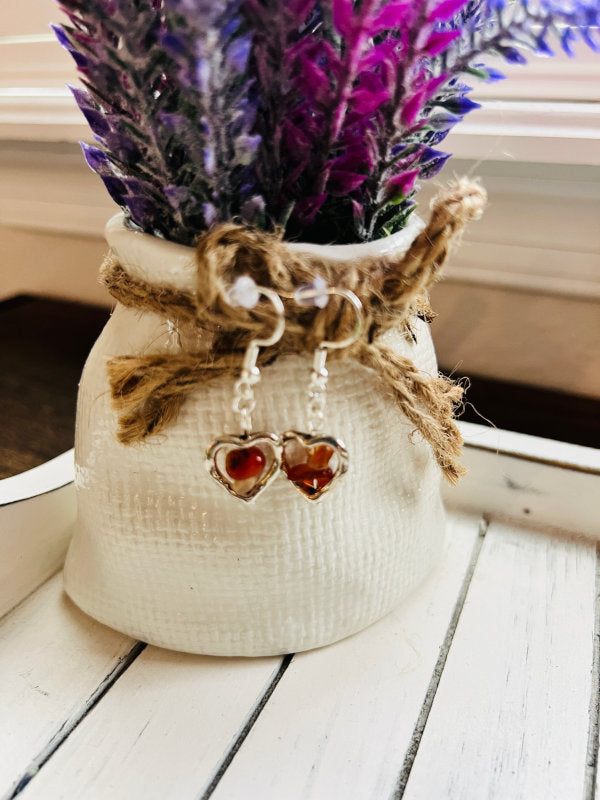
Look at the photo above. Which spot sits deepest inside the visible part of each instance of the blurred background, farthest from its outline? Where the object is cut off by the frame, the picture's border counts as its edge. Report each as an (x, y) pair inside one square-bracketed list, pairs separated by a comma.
[(519, 307)]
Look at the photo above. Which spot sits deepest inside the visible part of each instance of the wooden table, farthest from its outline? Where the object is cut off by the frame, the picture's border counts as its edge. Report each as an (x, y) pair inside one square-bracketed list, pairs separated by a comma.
[(484, 684)]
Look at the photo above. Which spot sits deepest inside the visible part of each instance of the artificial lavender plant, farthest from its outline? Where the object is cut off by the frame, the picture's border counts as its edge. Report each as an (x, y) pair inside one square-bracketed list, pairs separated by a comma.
[(167, 97), (319, 116)]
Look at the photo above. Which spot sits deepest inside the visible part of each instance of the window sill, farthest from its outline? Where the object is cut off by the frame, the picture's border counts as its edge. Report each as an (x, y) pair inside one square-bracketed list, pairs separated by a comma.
[(502, 130)]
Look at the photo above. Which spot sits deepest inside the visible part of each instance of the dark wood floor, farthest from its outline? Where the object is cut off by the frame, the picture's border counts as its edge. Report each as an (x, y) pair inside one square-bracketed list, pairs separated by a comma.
[(44, 343), (43, 346)]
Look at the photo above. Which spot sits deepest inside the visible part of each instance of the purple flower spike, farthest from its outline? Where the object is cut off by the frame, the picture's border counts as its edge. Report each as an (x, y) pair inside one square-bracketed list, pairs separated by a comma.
[(446, 10), (238, 53), (511, 54), (459, 105), (307, 209), (342, 182), (140, 207), (493, 75), (253, 210), (116, 189), (96, 159), (439, 41), (433, 165), (400, 185), (210, 213), (566, 42)]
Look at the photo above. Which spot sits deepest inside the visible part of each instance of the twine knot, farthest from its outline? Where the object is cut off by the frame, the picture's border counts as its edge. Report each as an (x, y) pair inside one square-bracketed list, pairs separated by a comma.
[(148, 390)]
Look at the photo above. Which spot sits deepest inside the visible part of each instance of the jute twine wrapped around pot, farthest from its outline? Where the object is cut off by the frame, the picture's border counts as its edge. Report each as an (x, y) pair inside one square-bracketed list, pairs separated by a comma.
[(149, 390)]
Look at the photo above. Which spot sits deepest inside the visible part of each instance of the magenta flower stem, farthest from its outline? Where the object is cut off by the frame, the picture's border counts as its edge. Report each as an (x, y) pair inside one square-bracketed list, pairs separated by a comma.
[(344, 90)]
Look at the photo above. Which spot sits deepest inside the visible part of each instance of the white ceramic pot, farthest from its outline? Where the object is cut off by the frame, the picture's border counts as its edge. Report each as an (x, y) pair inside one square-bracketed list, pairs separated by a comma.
[(164, 554)]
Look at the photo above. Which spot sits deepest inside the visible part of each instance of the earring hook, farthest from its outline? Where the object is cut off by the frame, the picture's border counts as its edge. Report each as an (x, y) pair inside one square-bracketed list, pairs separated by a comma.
[(245, 293), (318, 294), (347, 294), (277, 333)]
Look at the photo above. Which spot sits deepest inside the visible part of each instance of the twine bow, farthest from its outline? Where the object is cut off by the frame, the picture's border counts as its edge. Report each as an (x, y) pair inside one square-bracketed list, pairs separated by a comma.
[(149, 390)]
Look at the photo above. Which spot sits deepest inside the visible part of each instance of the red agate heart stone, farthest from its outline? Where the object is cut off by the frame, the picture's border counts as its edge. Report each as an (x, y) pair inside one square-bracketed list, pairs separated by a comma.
[(314, 472), (311, 463), (244, 463)]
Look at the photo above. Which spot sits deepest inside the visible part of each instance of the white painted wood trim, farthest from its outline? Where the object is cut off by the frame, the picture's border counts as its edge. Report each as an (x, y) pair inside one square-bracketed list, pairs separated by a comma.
[(543, 270), (557, 78), (502, 130), (533, 448), (37, 514), (41, 115), (45, 478), (510, 717), (537, 481), (51, 189), (541, 131)]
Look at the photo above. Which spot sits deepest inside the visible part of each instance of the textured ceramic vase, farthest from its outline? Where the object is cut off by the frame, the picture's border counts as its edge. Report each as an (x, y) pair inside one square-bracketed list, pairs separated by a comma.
[(162, 552)]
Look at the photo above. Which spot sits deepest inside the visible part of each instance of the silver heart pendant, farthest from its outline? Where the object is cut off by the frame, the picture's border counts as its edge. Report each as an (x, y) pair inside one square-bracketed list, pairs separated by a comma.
[(245, 465), (313, 464)]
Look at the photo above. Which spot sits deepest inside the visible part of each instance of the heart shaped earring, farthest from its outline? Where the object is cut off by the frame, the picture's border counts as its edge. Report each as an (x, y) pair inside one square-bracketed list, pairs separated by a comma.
[(245, 464), (314, 461)]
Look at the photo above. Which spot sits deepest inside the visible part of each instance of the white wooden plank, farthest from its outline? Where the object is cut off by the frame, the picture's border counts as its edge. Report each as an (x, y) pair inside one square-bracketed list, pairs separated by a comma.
[(341, 719), (37, 513), (536, 481), (510, 717), (52, 660), (161, 731)]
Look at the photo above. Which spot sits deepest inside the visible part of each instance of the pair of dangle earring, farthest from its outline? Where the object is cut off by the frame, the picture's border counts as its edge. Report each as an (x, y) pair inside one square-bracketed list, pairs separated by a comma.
[(312, 461)]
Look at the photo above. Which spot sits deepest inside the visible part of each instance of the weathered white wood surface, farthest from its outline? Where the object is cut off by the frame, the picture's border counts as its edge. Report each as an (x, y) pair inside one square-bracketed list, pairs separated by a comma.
[(510, 717), (162, 731), (510, 623), (53, 661), (37, 512), (342, 718), (537, 481)]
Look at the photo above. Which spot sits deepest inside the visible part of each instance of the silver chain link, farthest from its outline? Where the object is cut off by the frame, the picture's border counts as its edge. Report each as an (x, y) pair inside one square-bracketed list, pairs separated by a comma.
[(316, 392), (244, 401)]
